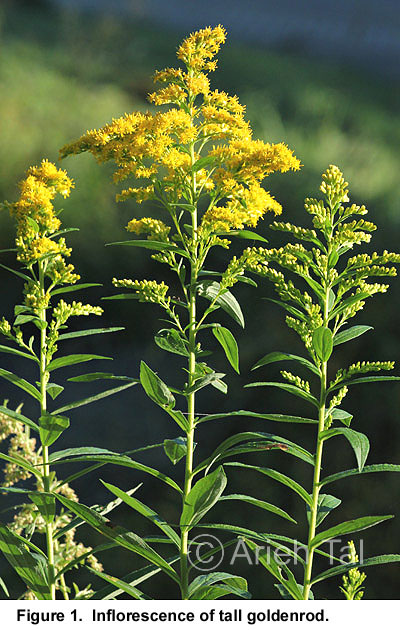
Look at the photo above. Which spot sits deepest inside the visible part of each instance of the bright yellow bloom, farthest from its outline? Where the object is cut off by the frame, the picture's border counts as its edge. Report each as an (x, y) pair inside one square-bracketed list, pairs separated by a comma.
[(162, 148), (155, 229)]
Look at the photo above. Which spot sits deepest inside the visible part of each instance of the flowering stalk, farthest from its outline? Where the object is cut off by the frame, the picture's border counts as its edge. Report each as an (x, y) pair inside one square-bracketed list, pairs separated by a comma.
[(198, 161), (337, 288), (41, 249)]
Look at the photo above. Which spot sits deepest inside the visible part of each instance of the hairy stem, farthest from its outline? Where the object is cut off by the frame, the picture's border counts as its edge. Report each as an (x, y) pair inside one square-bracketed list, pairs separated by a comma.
[(45, 453)]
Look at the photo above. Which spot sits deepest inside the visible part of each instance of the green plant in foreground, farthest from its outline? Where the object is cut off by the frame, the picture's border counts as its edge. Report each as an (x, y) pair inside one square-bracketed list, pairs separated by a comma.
[(36, 333), (333, 287), (198, 161)]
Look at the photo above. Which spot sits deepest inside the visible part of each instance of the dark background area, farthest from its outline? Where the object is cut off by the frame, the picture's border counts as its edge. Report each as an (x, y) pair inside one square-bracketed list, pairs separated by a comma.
[(326, 82)]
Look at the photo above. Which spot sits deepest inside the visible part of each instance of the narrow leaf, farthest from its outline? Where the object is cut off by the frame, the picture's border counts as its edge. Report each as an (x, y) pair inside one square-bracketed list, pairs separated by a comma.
[(258, 503), (154, 387), (88, 332), (90, 399), (348, 527), (228, 342), (272, 357), (210, 290), (21, 383), (358, 441), (350, 333), (73, 359)]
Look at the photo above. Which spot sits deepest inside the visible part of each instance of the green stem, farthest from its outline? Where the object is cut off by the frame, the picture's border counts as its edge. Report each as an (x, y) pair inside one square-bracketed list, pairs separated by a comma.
[(184, 561), (45, 455), (317, 466)]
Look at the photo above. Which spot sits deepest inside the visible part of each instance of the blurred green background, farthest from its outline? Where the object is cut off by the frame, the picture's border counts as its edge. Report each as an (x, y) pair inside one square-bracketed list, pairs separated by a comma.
[(62, 71)]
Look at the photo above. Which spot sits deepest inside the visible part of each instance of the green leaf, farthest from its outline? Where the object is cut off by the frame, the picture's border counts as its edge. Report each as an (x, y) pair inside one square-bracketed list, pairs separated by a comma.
[(90, 399), (120, 584), (344, 416), (208, 379), (15, 415), (288, 387), (100, 376), (285, 594), (289, 308), (348, 302), (154, 387), (170, 340), (326, 503), (203, 162), (204, 494), (278, 476), (119, 534), (175, 449), (359, 442), (21, 463), (350, 333), (88, 332), (21, 383), (51, 427), (145, 511), (46, 505), (364, 379), (272, 357), (227, 583), (54, 390), (210, 290), (75, 287), (247, 234), (228, 342), (16, 273), (268, 561), (157, 245), (108, 457), (25, 355), (20, 320), (345, 567), (73, 359), (275, 417), (179, 418), (30, 567), (133, 578), (258, 503), (3, 586), (372, 468), (322, 341), (348, 527)]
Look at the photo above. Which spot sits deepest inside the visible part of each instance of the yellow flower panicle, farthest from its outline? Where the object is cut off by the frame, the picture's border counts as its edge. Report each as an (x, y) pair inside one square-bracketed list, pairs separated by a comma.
[(156, 230), (160, 149), (35, 214)]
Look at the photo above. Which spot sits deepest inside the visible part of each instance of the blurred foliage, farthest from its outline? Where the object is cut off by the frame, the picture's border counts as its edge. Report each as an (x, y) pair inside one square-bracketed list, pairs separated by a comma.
[(62, 73)]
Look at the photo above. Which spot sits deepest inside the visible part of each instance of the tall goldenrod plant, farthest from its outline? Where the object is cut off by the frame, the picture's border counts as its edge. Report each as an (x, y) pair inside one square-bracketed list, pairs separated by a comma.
[(333, 285), (198, 161), (38, 329)]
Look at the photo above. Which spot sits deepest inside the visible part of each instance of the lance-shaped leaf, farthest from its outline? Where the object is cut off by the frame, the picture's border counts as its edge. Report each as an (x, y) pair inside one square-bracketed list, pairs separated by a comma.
[(155, 388), (30, 567), (228, 342), (208, 379), (278, 476), (25, 355), (145, 511), (119, 534), (326, 503), (21, 383), (273, 357), (75, 287), (16, 415), (359, 442), (171, 340), (288, 387), (322, 341), (200, 587), (264, 505), (89, 332), (120, 584), (373, 468), (210, 289), (46, 505), (267, 560), (350, 333), (275, 417), (355, 525), (175, 449), (94, 398), (73, 359), (156, 245), (346, 566), (51, 427), (204, 494)]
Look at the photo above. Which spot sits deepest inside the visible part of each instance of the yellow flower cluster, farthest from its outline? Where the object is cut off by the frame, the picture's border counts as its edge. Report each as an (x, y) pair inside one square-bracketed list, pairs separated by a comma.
[(155, 229), (35, 215), (146, 290), (162, 148)]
